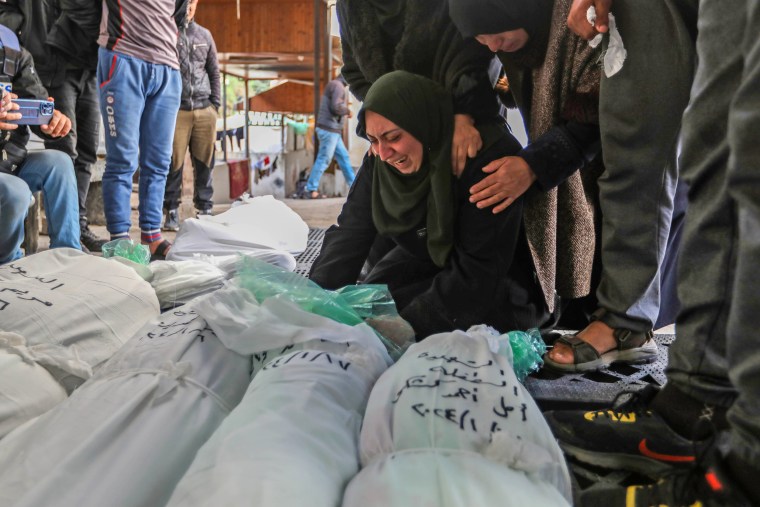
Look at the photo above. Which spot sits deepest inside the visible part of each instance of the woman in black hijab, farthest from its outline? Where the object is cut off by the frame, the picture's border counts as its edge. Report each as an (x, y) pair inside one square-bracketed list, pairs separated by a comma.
[(453, 265), (380, 36)]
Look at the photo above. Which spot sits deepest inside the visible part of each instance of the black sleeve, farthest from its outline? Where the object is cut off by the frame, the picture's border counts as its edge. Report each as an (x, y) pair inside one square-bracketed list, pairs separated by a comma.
[(212, 69), (357, 83), (347, 244), (561, 151), (11, 15), (471, 282)]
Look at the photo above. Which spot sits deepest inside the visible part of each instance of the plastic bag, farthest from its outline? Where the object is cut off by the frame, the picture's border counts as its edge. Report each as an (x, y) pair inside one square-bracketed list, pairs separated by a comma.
[(351, 305), (528, 349), (128, 249)]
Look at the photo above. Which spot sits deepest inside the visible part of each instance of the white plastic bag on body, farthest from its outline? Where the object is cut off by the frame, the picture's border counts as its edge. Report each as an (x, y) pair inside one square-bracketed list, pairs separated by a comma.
[(127, 435), (293, 439)]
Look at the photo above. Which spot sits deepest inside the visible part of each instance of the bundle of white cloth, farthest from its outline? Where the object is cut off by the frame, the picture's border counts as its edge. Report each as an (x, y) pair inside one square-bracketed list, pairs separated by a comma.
[(127, 435), (62, 314), (449, 424), (293, 439)]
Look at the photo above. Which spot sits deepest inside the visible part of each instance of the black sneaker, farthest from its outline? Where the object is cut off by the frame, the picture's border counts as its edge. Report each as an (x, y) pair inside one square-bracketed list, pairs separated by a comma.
[(701, 485), (171, 222), (630, 437), (200, 212), (90, 241)]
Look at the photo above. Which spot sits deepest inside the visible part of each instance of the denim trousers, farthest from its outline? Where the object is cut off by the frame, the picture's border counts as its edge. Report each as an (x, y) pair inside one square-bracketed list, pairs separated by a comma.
[(139, 103), (330, 143), (77, 98), (52, 173)]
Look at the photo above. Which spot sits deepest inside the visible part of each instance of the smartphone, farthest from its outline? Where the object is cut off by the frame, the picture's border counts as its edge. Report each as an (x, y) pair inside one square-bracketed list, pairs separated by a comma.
[(33, 112)]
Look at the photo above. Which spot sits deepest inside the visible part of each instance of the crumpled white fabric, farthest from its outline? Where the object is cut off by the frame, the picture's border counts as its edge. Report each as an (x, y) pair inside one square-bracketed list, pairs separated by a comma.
[(616, 53), (263, 223), (26, 388), (64, 297), (177, 282)]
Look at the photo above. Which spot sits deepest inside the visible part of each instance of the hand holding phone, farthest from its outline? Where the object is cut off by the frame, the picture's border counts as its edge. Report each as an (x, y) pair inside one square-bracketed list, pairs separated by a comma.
[(59, 125), (34, 111), (8, 111)]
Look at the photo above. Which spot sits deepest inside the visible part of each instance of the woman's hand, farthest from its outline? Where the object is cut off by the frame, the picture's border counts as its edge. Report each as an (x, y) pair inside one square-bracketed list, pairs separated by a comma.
[(509, 178), (6, 107), (578, 22), (466, 142), (59, 125)]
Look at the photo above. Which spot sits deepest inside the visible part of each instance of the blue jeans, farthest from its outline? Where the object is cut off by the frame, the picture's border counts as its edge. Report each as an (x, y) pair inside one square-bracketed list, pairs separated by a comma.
[(51, 172), (330, 143), (139, 103)]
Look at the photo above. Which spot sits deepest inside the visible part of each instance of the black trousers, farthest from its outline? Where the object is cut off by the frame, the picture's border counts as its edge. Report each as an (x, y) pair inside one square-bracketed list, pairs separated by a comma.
[(77, 98)]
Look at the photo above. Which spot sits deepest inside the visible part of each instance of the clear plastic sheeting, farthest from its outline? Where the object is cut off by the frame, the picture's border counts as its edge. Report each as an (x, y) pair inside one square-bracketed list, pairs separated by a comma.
[(127, 249), (457, 391), (89, 305), (293, 439), (126, 436), (351, 305)]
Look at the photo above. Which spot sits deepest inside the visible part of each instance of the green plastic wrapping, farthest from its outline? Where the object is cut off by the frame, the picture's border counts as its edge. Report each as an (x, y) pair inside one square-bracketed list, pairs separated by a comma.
[(528, 349), (128, 249), (350, 305)]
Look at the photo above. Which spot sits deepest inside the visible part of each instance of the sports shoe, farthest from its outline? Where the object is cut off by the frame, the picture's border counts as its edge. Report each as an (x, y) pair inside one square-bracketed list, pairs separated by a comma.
[(203, 212), (90, 240), (708, 483), (171, 222), (630, 437)]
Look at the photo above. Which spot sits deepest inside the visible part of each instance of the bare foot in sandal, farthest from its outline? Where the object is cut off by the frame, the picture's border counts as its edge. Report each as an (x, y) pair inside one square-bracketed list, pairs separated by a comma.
[(597, 334)]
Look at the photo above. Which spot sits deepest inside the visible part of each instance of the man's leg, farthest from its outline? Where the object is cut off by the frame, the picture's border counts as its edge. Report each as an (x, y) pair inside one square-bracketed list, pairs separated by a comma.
[(77, 98), (344, 161), (182, 130), (52, 172), (698, 387), (15, 199), (156, 132), (743, 345), (202, 154), (640, 120), (327, 142), (122, 101)]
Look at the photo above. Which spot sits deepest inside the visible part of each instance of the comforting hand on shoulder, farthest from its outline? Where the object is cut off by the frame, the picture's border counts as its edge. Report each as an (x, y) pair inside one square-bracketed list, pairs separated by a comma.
[(466, 142), (509, 178)]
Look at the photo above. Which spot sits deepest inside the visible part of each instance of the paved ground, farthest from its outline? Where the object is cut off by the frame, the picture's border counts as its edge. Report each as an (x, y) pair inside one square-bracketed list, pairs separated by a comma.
[(320, 213)]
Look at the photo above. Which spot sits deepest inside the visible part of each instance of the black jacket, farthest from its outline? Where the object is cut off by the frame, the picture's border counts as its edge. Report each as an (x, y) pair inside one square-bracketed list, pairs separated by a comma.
[(201, 84), (488, 278), (59, 34), (429, 45), (27, 85)]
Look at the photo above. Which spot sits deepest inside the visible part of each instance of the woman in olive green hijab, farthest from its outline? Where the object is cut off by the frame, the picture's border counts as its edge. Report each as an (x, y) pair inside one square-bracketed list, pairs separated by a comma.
[(453, 265)]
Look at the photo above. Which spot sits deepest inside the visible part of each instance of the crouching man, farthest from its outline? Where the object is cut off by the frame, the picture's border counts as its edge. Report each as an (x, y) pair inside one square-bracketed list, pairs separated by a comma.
[(22, 173)]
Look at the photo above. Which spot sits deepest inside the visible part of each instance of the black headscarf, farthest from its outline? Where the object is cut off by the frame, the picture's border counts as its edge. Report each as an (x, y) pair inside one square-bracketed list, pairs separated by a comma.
[(401, 201), (488, 17)]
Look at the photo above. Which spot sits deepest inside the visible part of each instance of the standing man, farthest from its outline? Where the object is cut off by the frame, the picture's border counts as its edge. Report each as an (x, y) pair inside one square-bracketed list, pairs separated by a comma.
[(61, 39), (196, 120), (140, 87), (333, 111)]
